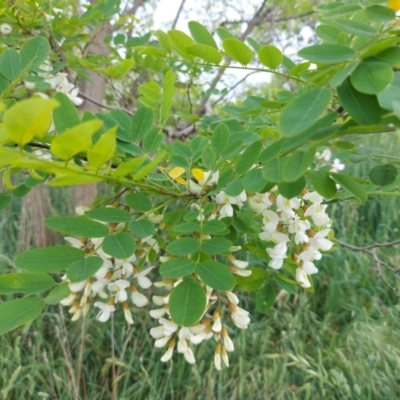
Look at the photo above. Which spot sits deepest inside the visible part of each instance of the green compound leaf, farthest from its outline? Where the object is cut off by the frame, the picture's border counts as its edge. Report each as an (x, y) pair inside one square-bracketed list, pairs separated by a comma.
[(201, 35), (328, 53), (138, 202), (298, 164), (303, 111), (220, 138), (142, 227), (181, 247), (237, 50), (29, 118), (180, 41), (383, 175), (234, 188), (104, 149), (141, 122), (265, 298), (19, 312), (292, 189), (27, 283), (84, 268), (66, 116), (216, 246), (59, 292), (177, 267), (216, 275), (254, 181), (213, 227), (206, 53), (48, 259), (35, 51), (371, 77), (120, 245), (355, 27), (363, 108), (323, 184), (10, 65), (270, 56), (380, 13), (254, 281), (108, 214), (77, 226), (249, 157), (187, 303), (351, 185), (75, 140)]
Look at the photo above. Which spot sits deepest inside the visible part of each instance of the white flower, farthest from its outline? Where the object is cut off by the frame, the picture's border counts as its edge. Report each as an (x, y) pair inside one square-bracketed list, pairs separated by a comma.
[(106, 310), (240, 317), (314, 197), (99, 285), (325, 155), (77, 286), (299, 227), (125, 265), (287, 206), (157, 332), (5, 29), (159, 300), (238, 263), (227, 209), (277, 254), (189, 356), (319, 241), (217, 359), (139, 299), (157, 313), (168, 354), (317, 212), (119, 286), (143, 280), (302, 278), (217, 325), (161, 342), (270, 221), (232, 297), (128, 316), (68, 300), (337, 165)]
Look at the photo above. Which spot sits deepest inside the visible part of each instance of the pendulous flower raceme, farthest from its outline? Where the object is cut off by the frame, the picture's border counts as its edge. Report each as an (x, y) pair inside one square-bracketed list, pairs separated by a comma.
[(192, 249)]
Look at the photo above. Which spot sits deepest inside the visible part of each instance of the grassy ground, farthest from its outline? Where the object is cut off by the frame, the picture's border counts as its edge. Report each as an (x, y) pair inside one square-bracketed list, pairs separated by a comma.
[(342, 342)]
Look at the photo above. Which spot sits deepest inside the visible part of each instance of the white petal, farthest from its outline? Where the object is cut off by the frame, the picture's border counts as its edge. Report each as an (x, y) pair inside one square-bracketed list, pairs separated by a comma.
[(139, 299), (168, 355), (189, 356)]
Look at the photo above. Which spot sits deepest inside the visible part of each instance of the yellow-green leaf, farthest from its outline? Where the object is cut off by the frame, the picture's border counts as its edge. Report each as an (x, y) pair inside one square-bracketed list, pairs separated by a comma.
[(29, 118), (205, 52), (237, 50), (75, 140), (104, 148)]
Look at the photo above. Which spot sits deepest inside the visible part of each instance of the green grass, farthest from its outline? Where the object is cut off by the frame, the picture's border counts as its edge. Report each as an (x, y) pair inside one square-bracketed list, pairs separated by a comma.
[(342, 342)]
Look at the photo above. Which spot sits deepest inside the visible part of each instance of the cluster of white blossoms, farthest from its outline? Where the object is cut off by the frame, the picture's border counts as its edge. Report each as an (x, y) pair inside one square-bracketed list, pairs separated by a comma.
[(117, 282), (221, 306), (59, 83), (298, 227)]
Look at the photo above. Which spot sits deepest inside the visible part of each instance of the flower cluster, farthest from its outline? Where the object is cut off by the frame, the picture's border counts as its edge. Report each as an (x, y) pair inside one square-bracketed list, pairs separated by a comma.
[(298, 227), (220, 307), (116, 281), (58, 82)]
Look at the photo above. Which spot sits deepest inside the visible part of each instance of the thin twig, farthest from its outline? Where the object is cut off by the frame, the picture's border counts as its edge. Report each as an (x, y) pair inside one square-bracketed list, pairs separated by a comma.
[(377, 261), (178, 14), (106, 106)]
